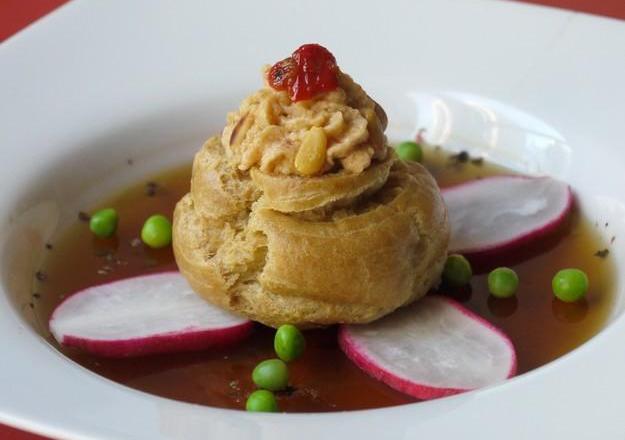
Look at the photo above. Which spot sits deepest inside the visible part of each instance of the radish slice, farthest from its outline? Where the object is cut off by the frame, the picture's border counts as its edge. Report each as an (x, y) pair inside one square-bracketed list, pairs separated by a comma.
[(148, 314), (431, 349), (502, 212)]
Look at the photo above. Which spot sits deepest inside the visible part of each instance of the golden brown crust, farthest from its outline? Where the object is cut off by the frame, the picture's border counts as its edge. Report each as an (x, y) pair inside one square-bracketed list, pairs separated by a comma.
[(362, 248), (219, 188)]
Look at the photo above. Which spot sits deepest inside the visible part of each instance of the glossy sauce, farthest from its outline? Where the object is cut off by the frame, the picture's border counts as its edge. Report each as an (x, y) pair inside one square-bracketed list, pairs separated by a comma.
[(541, 327), (309, 71)]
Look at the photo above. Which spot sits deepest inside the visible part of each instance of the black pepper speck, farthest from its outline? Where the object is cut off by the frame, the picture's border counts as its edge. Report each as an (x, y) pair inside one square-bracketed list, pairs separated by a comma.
[(602, 253), (150, 189), (461, 157)]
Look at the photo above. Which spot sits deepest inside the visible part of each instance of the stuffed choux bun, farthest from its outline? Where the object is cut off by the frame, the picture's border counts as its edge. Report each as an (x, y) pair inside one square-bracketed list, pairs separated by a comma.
[(300, 213)]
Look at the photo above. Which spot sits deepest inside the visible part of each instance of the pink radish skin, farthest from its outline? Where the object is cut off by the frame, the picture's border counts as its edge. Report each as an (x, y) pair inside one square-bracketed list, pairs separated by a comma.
[(356, 345), (482, 208), (149, 314)]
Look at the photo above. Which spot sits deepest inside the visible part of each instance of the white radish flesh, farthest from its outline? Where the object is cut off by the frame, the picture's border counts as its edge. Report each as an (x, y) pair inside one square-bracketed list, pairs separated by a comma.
[(148, 314), (433, 348), (504, 212)]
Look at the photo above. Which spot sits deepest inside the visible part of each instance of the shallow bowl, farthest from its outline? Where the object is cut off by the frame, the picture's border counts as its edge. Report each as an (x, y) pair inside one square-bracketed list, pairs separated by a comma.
[(98, 83)]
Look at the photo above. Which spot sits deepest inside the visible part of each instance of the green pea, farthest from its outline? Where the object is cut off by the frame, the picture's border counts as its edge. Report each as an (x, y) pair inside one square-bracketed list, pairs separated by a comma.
[(261, 401), (457, 271), (272, 375), (569, 285), (104, 222), (156, 231), (289, 342), (409, 151), (503, 282)]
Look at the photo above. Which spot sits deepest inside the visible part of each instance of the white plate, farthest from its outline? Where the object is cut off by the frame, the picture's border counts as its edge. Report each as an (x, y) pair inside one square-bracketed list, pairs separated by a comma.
[(98, 82)]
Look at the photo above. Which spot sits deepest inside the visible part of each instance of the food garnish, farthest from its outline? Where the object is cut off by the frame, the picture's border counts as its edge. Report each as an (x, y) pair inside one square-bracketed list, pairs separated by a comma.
[(309, 71), (570, 285), (503, 282), (148, 314), (497, 214), (431, 349)]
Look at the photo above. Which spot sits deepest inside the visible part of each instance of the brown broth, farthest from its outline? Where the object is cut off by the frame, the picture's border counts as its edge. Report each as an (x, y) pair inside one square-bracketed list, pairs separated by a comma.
[(541, 327)]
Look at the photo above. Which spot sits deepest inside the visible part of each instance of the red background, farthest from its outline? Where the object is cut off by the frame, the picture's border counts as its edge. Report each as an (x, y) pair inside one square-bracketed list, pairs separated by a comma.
[(17, 14)]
